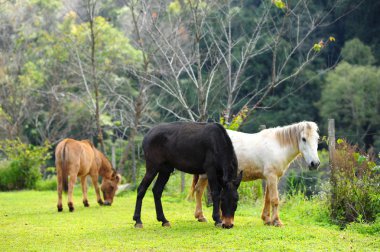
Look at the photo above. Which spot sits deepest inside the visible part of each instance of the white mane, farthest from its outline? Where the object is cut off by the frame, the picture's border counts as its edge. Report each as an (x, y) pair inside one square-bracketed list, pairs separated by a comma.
[(289, 135)]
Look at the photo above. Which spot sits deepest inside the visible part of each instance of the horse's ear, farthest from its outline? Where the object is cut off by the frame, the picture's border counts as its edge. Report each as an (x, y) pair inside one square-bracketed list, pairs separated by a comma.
[(116, 176)]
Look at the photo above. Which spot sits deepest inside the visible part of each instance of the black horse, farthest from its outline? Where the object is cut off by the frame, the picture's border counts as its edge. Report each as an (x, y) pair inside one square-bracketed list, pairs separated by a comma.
[(195, 148)]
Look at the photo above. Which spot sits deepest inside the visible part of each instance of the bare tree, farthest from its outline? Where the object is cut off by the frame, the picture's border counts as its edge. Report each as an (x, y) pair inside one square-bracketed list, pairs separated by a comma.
[(197, 43), (138, 104), (91, 13)]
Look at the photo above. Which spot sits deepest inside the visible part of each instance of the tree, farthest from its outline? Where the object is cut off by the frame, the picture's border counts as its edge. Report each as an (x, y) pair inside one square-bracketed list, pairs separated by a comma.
[(356, 53), (351, 96)]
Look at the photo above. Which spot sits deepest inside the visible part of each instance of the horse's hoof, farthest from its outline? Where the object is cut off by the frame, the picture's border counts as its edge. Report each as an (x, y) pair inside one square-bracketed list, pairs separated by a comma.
[(166, 224), (138, 225), (106, 203), (71, 207), (59, 207), (267, 223), (227, 227), (218, 224), (203, 219), (85, 203), (277, 223), (100, 202)]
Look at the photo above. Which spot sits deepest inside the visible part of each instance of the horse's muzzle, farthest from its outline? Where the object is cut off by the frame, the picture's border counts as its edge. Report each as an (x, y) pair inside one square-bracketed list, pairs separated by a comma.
[(314, 165), (228, 222), (107, 203)]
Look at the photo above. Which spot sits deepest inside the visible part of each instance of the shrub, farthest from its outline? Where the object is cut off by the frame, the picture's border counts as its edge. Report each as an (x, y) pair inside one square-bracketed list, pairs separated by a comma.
[(355, 190), (49, 184), (23, 169), (250, 191)]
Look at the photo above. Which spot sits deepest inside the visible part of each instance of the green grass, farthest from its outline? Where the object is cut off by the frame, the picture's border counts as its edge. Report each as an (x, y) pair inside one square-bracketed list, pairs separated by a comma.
[(29, 221)]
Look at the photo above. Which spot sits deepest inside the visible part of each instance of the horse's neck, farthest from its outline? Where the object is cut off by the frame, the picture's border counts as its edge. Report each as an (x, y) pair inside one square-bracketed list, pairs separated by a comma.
[(291, 152), (105, 170)]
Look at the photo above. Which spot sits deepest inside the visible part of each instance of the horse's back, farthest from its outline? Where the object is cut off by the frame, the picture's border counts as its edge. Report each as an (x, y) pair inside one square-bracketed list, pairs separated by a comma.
[(182, 145), (79, 156), (251, 152)]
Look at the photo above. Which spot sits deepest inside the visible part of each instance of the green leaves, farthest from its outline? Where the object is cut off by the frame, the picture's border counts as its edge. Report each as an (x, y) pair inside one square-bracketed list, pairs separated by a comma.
[(279, 4), (237, 120)]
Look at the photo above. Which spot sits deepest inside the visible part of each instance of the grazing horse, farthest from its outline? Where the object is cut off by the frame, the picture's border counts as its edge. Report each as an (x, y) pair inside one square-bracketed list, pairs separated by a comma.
[(192, 148), (78, 159), (267, 155)]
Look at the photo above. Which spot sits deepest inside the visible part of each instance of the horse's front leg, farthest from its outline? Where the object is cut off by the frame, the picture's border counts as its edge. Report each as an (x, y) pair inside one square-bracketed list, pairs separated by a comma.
[(94, 178), (158, 188), (151, 172), (84, 191), (272, 183), (265, 215), (215, 192), (199, 189)]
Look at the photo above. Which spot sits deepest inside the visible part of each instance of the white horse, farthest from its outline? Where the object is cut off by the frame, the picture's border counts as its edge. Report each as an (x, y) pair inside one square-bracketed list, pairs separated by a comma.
[(267, 155)]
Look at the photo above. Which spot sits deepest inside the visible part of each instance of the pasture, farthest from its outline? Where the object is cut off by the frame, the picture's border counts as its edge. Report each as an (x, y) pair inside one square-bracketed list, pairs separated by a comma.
[(29, 221)]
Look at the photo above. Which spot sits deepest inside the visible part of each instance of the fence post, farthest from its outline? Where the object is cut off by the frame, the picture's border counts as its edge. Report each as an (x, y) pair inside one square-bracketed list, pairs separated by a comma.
[(331, 129), (113, 155), (331, 139)]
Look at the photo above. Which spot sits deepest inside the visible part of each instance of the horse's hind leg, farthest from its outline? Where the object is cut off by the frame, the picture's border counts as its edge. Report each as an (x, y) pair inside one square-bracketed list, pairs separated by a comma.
[(199, 189), (84, 190), (59, 189), (141, 190), (265, 215), (158, 188), (73, 178)]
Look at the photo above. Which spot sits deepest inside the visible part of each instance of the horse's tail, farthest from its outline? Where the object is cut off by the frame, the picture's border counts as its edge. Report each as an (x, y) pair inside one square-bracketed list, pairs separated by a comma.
[(64, 169), (192, 188)]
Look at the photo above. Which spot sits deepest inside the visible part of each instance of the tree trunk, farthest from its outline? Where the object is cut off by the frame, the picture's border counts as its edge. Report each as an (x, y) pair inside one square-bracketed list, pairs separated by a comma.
[(91, 13)]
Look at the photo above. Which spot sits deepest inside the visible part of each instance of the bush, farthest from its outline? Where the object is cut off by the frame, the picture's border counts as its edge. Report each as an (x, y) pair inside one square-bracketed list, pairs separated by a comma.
[(23, 167), (250, 191), (49, 184), (355, 189)]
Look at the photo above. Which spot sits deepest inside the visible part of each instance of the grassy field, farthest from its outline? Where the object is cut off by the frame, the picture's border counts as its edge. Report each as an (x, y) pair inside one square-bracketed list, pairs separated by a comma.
[(29, 221)]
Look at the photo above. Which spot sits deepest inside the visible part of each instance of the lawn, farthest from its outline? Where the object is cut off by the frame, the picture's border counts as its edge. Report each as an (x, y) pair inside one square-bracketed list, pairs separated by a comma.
[(29, 221)]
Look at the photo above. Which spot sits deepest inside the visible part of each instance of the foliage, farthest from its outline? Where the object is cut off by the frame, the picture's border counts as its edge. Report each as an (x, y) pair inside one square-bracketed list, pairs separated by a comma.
[(356, 52), (301, 180), (236, 121), (351, 96), (250, 191), (49, 184), (279, 4), (111, 44), (25, 162), (355, 186), (29, 221)]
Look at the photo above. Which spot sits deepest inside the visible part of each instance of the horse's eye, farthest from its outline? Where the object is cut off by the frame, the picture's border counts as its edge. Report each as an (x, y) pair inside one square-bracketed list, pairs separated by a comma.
[(304, 139)]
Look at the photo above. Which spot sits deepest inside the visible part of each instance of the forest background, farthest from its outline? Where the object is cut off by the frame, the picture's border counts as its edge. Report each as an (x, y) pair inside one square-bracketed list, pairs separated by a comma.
[(110, 70)]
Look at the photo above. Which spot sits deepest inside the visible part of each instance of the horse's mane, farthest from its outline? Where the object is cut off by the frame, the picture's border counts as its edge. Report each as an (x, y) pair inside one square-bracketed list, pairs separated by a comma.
[(289, 135)]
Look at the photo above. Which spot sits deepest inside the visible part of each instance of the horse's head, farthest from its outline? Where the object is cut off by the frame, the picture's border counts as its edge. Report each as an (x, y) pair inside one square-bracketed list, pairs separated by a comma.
[(308, 144), (109, 188), (229, 199)]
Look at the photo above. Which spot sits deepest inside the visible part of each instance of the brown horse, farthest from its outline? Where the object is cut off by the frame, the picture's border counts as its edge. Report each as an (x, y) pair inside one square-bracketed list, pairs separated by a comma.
[(78, 159)]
